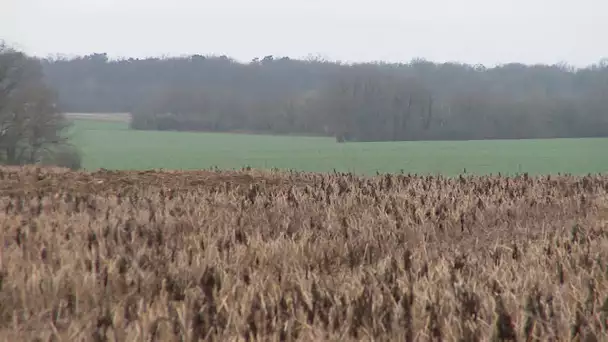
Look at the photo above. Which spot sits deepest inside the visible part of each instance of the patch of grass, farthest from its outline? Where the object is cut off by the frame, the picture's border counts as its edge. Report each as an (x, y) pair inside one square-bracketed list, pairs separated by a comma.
[(112, 145)]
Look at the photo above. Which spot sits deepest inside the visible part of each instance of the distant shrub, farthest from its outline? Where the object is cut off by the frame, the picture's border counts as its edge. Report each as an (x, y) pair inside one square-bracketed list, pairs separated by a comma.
[(65, 156)]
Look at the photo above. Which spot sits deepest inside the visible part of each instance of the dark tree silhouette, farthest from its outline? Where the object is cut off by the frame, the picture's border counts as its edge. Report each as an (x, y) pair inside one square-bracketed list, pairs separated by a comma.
[(31, 124)]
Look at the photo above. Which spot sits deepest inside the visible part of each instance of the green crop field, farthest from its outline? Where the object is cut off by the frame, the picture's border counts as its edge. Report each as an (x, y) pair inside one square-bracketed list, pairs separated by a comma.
[(112, 145)]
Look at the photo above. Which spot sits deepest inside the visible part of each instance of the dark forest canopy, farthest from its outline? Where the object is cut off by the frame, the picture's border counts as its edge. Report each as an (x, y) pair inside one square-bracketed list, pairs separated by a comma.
[(360, 102)]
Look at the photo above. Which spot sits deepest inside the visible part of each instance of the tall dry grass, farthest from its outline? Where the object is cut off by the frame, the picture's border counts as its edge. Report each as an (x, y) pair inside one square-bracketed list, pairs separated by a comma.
[(187, 256)]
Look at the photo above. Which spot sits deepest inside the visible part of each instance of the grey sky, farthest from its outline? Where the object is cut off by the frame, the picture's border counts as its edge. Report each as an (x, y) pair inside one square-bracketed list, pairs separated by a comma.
[(472, 31)]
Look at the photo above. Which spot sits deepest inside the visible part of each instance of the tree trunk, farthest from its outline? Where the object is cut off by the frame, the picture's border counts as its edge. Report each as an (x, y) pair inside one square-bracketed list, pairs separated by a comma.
[(11, 155)]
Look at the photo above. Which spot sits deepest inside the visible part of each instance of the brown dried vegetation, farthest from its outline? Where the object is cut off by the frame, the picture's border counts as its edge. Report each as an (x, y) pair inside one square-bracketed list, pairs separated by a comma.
[(187, 256)]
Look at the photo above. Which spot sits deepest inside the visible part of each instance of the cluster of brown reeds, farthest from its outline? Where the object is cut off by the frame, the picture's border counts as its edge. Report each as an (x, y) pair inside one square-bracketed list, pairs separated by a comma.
[(134, 256)]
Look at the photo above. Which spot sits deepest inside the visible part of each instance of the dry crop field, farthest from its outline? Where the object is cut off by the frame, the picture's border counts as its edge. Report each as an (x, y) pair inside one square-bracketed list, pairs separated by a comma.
[(227, 256)]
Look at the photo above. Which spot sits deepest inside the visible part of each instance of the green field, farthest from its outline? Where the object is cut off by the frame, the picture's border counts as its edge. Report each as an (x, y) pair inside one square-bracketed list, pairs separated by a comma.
[(112, 145)]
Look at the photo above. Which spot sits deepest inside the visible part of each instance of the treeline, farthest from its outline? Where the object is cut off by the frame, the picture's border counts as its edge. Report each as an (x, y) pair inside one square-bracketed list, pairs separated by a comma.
[(361, 102)]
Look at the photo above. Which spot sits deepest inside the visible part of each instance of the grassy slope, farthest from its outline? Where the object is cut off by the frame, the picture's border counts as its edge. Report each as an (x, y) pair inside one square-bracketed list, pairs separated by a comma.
[(112, 145)]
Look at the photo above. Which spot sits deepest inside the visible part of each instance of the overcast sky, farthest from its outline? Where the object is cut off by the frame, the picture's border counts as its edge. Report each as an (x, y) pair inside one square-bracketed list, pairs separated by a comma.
[(471, 31)]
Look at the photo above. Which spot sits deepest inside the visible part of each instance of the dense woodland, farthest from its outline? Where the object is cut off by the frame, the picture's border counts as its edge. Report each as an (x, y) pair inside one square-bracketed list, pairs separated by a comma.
[(361, 102)]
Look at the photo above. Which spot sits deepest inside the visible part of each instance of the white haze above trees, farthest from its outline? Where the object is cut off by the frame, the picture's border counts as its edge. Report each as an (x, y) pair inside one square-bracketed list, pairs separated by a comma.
[(468, 31)]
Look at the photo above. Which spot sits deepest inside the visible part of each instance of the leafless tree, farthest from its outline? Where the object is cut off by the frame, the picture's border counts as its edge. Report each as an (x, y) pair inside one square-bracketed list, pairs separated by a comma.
[(369, 105), (31, 124)]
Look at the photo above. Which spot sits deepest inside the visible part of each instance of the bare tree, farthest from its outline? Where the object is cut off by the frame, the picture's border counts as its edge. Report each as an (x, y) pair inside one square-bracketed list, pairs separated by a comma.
[(365, 104), (31, 124), (9, 73)]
